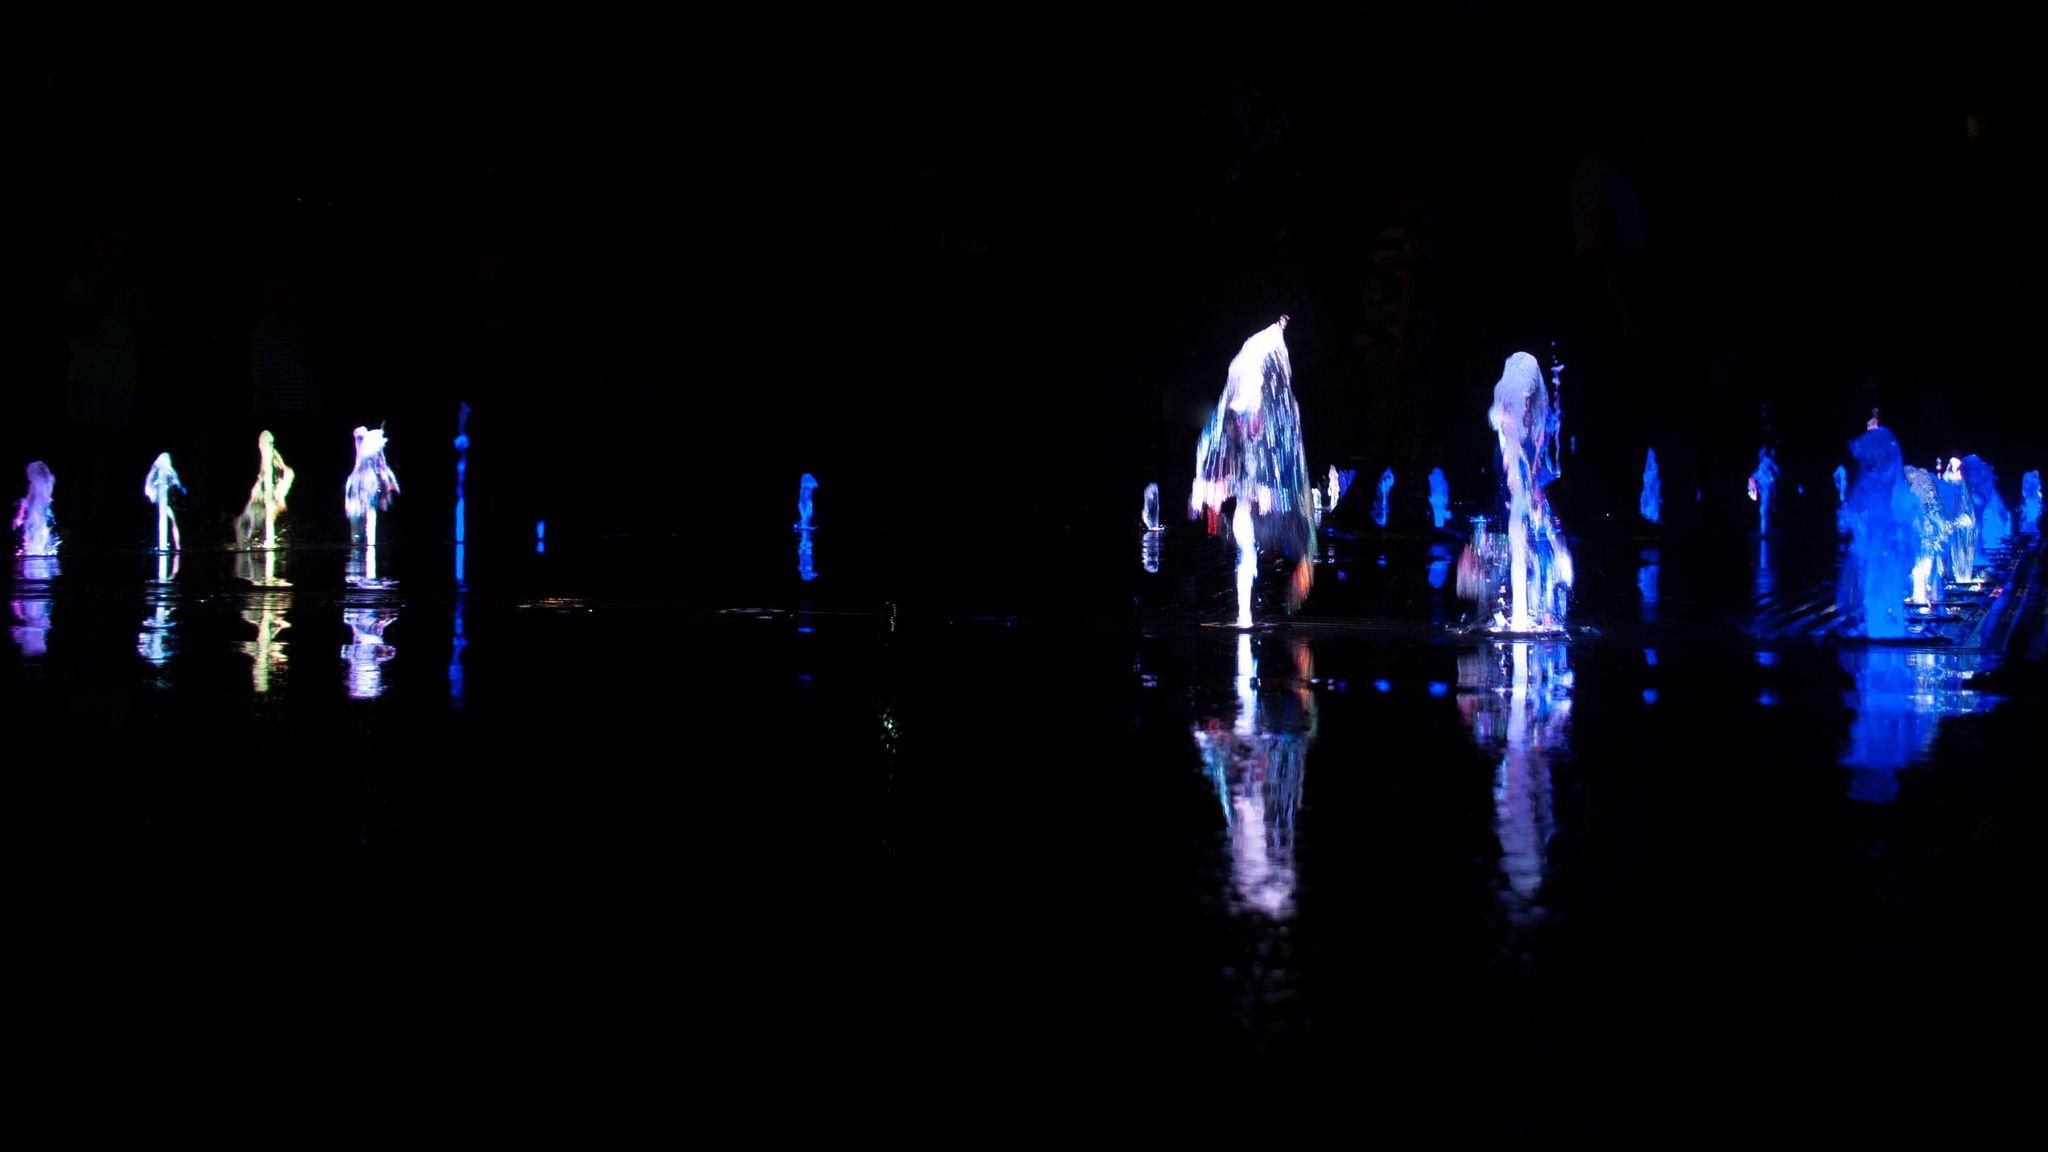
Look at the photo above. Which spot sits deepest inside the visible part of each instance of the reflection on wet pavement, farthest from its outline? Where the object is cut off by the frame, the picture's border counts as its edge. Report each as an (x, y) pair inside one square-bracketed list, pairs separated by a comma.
[(1900, 699), (1517, 699), (1257, 764), (31, 603), (366, 651)]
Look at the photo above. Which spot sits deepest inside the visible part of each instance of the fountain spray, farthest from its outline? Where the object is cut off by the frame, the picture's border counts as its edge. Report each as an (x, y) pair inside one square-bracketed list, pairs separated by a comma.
[(1762, 484), (267, 498), (157, 486), (1539, 564), (1379, 502), (1439, 497), (32, 513), (1252, 452), (804, 488), (1652, 502), (2030, 502), (369, 488)]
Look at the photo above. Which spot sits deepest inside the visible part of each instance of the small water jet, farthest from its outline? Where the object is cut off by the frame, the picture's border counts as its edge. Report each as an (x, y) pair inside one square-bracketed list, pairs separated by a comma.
[(1379, 502), (157, 487), (1150, 512), (1251, 453), (1439, 497), (1763, 487), (367, 491), (1930, 538), (266, 499), (1880, 513), (1651, 504), (1841, 484), (1962, 539), (32, 515), (1539, 564), (2030, 502), (805, 569)]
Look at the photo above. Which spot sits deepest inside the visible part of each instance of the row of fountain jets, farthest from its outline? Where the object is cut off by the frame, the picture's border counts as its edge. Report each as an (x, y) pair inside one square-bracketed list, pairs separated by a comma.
[(1909, 528)]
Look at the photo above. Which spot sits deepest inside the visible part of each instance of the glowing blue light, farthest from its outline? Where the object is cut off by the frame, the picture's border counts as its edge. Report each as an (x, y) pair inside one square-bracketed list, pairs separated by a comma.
[(1652, 501), (461, 467), (1879, 515), (1439, 571), (1650, 657), (1439, 497), (1763, 483), (1382, 686), (460, 642), (540, 536), (1379, 503), (1438, 688), (1767, 659), (804, 570), (1649, 695), (805, 486), (1768, 698), (2030, 502)]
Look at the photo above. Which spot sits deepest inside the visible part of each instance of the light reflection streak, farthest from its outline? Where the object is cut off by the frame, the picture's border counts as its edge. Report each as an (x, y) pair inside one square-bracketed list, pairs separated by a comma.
[(1900, 698), (155, 643), (268, 652), (366, 651), (1516, 698), (1256, 765), (31, 603)]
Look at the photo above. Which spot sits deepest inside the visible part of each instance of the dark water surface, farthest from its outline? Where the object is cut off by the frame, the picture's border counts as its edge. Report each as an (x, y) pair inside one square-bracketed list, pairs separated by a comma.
[(1010, 831)]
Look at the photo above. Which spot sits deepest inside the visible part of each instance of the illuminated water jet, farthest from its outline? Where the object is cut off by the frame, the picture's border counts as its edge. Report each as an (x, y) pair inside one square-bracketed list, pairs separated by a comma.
[(367, 491), (266, 499), (1930, 538), (1150, 512), (157, 487), (1439, 497), (2030, 502), (1880, 513), (805, 486), (1962, 539), (1763, 486), (1652, 502), (1841, 484), (1994, 520), (1379, 502), (1252, 453), (1539, 564), (32, 515), (461, 469)]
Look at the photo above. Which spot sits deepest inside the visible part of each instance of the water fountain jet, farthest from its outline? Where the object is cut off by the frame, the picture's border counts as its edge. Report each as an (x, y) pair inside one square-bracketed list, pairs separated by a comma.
[(157, 487), (32, 515), (267, 498), (1539, 564), (368, 490)]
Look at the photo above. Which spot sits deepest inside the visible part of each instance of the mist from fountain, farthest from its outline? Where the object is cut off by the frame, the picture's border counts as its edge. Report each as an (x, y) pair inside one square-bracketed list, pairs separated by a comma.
[(1252, 453)]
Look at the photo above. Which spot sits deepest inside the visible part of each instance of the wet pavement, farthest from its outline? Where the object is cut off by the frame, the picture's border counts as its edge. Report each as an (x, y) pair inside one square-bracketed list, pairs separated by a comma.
[(1019, 832)]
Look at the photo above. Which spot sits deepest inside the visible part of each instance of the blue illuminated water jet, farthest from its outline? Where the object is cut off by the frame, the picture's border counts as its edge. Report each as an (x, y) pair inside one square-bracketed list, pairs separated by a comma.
[(1252, 453), (540, 536), (1651, 503), (1439, 497), (461, 469), (1763, 487), (1379, 502), (1880, 514), (805, 486), (2030, 502), (1841, 484), (1931, 531), (1961, 513), (1994, 521)]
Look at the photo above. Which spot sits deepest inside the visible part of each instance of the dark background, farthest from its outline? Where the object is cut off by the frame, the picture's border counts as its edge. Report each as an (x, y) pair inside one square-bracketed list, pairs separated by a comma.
[(998, 271)]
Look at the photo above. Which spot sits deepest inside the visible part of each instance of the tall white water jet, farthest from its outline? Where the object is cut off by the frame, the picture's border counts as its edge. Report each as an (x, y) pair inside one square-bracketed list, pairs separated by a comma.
[(2030, 502), (1252, 453), (1763, 486), (1439, 497), (805, 486), (157, 486), (32, 515), (1539, 564), (1340, 483), (369, 489), (1150, 512), (1652, 502), (258, 521), (1379, 502), (1962, 539)]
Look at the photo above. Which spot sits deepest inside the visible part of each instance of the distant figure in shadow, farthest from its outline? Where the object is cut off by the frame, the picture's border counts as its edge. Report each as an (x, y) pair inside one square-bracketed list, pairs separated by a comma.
[(105, 313)]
